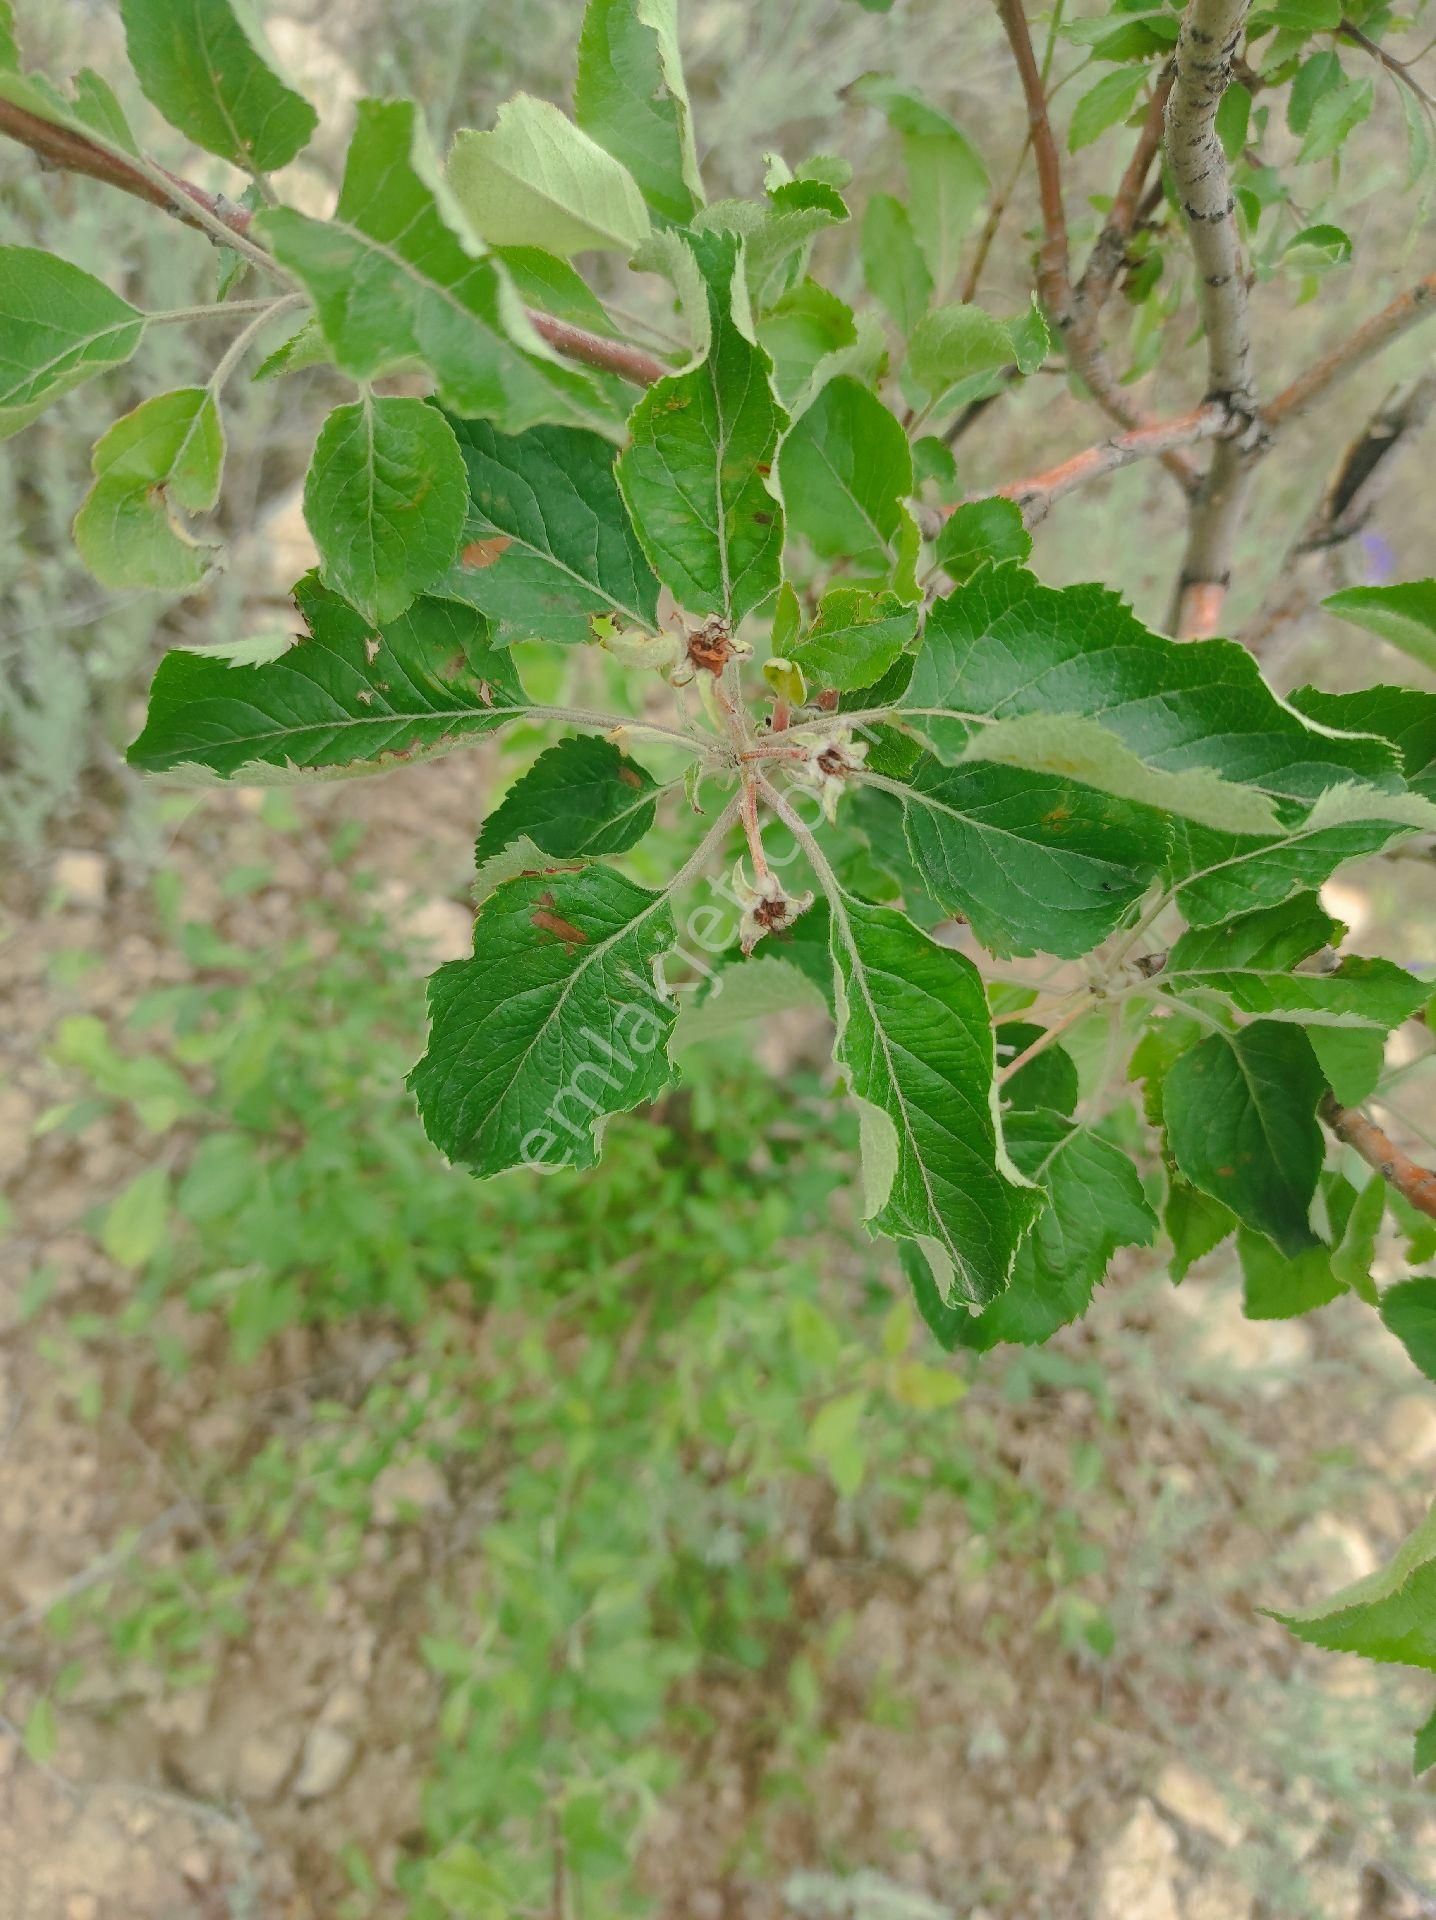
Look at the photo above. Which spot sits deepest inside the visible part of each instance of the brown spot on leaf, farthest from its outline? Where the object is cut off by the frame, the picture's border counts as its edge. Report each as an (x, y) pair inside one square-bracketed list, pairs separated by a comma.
[(485, 693), (479, 554), (762, 519), (547, 921), (371, 648), (629, 776)]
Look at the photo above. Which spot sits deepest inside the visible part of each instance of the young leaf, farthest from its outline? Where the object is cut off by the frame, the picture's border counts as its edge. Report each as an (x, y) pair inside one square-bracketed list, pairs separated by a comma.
[(548, 547), (1037, 863), (1196, 1224), (1240, 1114), (631, 97), (953, 343), (1403, 614), (1388, 1616), (947, 181), (1094, 1205), (894, 269), (978, 533), (846, 474), (581, 797), (170, 449), (58, 326), (344, 700), (696, 474), (385, 499), (1423, 1756), (915, 1038), (1275, 1287), (202, 64), (397, 280), (1103, 105), (1409, 1311), (553, 1023), (855, 637), (537, 180)]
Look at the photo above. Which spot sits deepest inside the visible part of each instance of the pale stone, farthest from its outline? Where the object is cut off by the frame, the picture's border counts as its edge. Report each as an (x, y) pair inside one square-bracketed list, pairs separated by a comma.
[(1136, 1877), (1216, 1896), (1408, 1433), (1335, 1552), (328, 1756), (82, 1906), (264, 1762), (406, 1487), (1194, 1800), (81, 876), (442, 929), (1226, 1338)]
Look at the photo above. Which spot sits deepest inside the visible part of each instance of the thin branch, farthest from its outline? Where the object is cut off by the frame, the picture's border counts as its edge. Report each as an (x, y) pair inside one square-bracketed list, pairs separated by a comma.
[(1036, 493), (1352, 495), (1210, 38), (1358, 1131), (1405, 311), (229, 223), (1075, 324), (1104, 262), (1400, 70)]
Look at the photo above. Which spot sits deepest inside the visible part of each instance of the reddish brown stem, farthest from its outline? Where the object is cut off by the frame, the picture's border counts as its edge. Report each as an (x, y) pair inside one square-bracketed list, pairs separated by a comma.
[(1037, 492), (1105, 261), (60, 147), (1414, 1183), (1406, 310)]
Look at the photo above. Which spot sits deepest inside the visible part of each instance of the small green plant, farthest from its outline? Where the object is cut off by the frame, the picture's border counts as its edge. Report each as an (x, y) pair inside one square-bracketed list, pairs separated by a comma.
[(866, 681)]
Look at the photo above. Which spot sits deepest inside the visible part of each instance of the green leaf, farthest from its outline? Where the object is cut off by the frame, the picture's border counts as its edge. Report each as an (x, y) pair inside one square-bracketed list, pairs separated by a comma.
[(1388, 1616), (1218, 875), (538, 180), (548, 547), (1275, 1287), (1335, 114), (344, 700), (1103, 105), (1196, 1225), (1398, 714), (1248, 962), (947, 181), (1317, 75), (553, 1023), (1355, 1248), (777, 234), (978, 533), (1037, 863), (1423, 1757), (134, 1228), (1240, 1114), (751, 989), (581, 797), (1049, 1079), (855, 637), (696, 474), (1062, 679), (251, 650), (169, 452), (631, 97), (808, 328), (894, 270), (846, 475), (953, 343), (915, 1039), (1403, 614), (385, 499), (58, 326), (1409, 1311), (398, 280), (1317, 249), (203, 65), (1094, 1205)]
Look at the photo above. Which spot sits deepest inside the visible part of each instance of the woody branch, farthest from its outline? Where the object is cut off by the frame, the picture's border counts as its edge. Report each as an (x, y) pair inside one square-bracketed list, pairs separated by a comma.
[(225, 220)]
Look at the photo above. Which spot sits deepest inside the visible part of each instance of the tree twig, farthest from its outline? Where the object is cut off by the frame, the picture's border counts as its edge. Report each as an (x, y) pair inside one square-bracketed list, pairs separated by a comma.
[(1210, 38), (229, 222), (1400, 70), (1405, 311), (1105, 260), (1358, 1131), (1036, 493), (1069, 313)]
